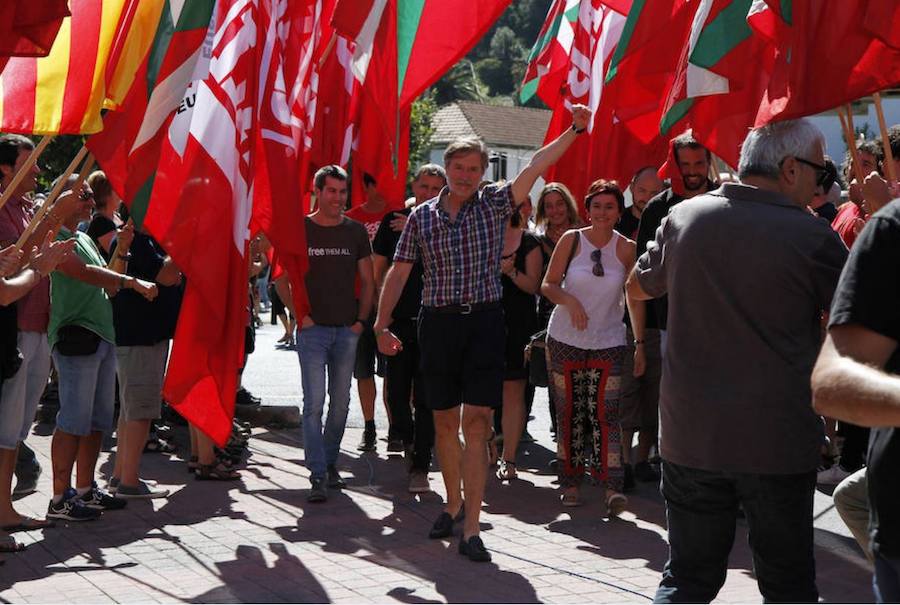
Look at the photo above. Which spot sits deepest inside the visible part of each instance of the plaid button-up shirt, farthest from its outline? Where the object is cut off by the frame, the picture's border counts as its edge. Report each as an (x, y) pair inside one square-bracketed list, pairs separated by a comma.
[(461, 258)]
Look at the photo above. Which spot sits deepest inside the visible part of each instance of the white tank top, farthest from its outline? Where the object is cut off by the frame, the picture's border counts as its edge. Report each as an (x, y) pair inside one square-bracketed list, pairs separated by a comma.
[(603, 299)]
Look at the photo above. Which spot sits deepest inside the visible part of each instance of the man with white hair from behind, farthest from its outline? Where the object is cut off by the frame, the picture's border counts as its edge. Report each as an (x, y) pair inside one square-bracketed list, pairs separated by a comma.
[(749, 273)]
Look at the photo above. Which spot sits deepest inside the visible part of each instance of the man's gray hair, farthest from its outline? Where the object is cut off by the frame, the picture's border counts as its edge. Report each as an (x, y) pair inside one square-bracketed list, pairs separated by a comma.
[(465, 146), (430, 170), (765, 148)]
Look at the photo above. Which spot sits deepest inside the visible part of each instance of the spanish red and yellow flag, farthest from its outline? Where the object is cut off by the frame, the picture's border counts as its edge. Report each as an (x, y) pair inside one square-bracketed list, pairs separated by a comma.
[(64, 92)]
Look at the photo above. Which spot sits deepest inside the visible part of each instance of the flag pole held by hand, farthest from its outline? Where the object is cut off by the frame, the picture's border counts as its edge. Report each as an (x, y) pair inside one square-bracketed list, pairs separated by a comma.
[(849, 134), (889, 169), (54, 193), (28, 165)]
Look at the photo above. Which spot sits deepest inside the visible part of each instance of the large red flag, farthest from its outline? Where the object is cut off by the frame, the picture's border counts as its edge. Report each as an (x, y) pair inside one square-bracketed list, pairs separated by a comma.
[(201, 206), (720, 79), (829, 56)]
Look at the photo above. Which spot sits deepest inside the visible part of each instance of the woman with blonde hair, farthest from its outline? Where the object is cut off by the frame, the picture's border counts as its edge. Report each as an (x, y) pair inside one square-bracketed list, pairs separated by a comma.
[(555, 213)]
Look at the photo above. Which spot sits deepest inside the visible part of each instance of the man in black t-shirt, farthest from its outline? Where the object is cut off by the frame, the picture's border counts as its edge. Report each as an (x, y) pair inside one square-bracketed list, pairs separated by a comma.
[(857, 378), (692, 162), (403, 375), (339, 253), (143, 330)]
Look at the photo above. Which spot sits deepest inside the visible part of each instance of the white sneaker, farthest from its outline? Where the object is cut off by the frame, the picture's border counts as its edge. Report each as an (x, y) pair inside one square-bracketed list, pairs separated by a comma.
[(832, 476)]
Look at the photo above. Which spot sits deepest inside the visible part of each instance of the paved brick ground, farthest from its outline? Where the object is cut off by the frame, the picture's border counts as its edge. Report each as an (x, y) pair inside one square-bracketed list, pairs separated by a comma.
[(259, 541)]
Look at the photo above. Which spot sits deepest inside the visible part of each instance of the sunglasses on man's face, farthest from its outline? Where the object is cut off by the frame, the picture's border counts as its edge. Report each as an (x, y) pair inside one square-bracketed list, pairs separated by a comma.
[(821, 171), (596, 257), (86, 195)]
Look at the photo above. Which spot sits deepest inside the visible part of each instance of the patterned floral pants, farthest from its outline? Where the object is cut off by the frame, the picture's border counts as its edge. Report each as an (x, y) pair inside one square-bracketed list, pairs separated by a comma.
[(586, 390)]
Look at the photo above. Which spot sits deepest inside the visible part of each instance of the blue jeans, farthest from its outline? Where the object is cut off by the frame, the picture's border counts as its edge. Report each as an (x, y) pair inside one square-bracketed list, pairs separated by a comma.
[(325, 350), (887, 579), (702, 508)]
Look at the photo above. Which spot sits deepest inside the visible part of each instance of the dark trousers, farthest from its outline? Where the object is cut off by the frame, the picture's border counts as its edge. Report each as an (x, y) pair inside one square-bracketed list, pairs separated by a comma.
[(856, 443), (404, 377), (702, 507), (887, 579)]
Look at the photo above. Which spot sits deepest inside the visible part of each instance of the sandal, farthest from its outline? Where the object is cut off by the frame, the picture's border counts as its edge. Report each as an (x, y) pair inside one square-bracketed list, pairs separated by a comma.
[(216, 472), (28, 524), (155, 444), (615, 504), (507, 471), (570, 497)]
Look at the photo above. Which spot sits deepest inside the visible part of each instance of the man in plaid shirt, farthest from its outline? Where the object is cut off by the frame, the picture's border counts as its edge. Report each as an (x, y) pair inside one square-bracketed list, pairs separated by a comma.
[(458, 237)]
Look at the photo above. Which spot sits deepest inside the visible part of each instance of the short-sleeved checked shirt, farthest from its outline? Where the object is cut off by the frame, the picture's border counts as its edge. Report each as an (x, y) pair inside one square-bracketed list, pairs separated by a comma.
[(461, 258)]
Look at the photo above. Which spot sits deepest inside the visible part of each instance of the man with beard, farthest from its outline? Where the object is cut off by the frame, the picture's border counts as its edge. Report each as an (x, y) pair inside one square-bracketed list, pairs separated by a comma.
[(645, 185), (692, 161)]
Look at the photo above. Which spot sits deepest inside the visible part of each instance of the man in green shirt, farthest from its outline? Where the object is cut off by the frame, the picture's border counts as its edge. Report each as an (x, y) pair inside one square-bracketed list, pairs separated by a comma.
[(82, 340)]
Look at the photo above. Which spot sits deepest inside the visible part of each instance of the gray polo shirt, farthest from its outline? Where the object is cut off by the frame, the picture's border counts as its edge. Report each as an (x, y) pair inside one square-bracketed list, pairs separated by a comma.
[(748, 274)]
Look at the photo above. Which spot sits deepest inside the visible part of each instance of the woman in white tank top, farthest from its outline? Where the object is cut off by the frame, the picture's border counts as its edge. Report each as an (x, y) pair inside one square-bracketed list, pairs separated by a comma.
[(586, 345)]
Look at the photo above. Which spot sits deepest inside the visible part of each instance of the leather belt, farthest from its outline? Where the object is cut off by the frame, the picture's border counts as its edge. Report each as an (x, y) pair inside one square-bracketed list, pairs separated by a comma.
[(465, 308)]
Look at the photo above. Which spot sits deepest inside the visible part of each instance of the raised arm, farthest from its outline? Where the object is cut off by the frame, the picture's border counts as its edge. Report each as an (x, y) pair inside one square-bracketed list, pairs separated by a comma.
[(549, 154)]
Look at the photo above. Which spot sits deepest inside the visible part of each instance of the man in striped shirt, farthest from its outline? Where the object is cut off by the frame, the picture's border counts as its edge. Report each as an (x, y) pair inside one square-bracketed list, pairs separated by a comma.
[(458, 237)]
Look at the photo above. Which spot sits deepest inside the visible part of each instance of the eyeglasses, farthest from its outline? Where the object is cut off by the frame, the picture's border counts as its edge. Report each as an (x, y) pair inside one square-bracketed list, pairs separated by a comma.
[(86, 195), (821, 171), (596, 256)]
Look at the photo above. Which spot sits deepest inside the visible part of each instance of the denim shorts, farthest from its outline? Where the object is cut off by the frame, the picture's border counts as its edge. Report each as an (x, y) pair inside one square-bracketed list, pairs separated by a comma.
[(87, 386), (21, 394)]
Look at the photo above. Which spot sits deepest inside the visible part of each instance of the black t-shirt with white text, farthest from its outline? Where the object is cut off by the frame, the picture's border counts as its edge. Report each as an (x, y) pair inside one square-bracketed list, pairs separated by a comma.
[(334, 254), (869, 295)]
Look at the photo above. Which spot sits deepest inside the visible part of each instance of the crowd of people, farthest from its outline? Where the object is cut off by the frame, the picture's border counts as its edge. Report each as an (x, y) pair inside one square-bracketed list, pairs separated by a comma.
[(680, 339)]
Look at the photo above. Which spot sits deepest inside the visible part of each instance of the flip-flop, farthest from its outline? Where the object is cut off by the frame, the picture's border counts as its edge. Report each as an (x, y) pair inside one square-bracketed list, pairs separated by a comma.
[(11, 546), (28, 524)]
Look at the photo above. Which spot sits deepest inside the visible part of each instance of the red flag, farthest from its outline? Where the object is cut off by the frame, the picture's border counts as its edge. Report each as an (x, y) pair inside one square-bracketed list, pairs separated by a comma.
[(721, 76), (829, 58), (28, 29), (200, 214), (607, 150), (293, 34)]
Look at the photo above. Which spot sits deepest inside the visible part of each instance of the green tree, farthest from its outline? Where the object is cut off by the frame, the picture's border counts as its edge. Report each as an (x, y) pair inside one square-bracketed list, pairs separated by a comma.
[(56, 158), (420, 130), (458, 84)]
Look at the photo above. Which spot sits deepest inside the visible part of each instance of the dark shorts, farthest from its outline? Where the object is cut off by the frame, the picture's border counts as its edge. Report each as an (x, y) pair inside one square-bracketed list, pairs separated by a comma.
[(639, 397), (368, 359), (462, 358)]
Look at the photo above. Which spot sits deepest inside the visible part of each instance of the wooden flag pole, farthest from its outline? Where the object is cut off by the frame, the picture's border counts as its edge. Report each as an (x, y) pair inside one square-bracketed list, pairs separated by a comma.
[(847, 126), (890, 169), (54, 193), (27, 166)]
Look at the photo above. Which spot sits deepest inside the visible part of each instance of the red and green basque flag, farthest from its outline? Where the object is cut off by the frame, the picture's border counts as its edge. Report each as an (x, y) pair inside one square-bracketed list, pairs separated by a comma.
[(723, 71), (128, 146), (549, 58), (431, 35), (831, 53), (643, 66)]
